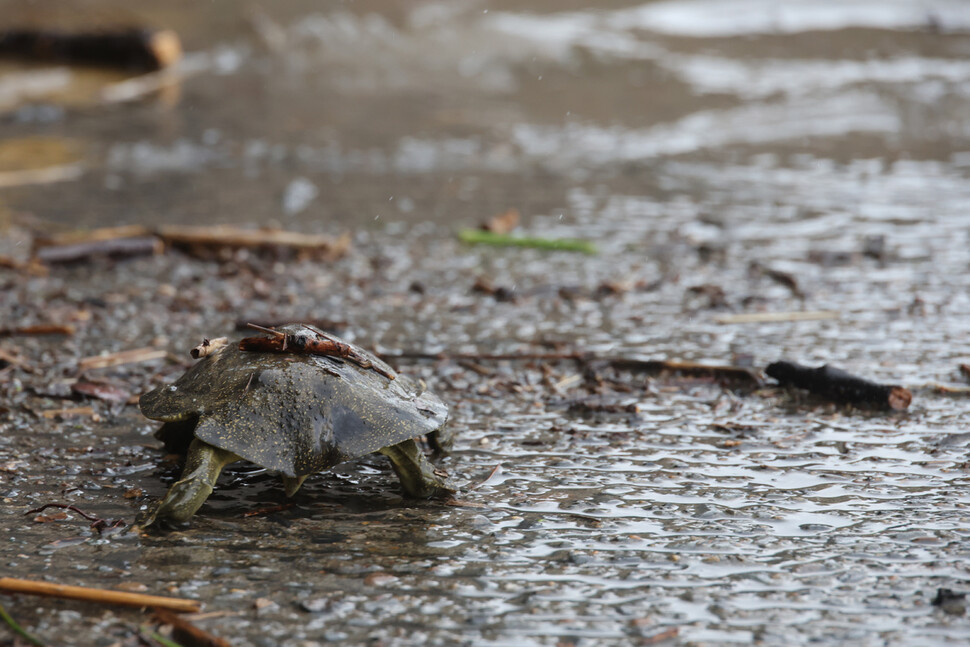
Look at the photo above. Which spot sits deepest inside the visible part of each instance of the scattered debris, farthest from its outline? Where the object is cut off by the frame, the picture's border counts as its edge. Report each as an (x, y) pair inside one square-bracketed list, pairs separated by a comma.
[(46, 175), (186, 633), (97, 523), (479, 237), (105, 596), (597, 404), (207, 347), (657, 638), (68, 412), (270, 510), (951, 602), (965, 370), (53, 254), (40, 329), (770, 317), (502, 223), (784, 278), (101, 390), (716, 297), (837, 385), (10, 358), (133, 356), (485, 285), (202, 241)]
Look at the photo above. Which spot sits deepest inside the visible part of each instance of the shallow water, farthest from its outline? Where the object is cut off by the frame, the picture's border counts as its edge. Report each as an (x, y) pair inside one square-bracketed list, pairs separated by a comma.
[(828, 140)]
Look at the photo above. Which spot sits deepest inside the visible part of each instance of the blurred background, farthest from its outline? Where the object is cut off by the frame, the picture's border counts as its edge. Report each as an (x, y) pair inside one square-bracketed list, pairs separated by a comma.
[(335, 115)]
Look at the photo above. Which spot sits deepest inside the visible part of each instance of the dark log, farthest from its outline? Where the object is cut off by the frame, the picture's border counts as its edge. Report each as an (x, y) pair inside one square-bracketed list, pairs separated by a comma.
[(839, 386)]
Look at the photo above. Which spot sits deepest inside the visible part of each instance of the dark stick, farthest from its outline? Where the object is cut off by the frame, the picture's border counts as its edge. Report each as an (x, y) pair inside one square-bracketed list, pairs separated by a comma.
[(125, 48), (837, 385)]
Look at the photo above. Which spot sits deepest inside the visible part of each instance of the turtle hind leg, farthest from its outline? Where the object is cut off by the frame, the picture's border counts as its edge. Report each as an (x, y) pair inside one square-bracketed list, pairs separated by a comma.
[(203, 464), (420, 479)]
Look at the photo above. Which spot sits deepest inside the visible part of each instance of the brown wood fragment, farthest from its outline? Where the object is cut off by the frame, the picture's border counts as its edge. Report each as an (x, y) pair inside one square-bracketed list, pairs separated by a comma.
[(965, 370), (319, 344), (720, 372), (109, 247), (13, 359), (128, 48), (186, 633), (208, 346), (502, 223), (45, 175), (839, 386), (101, 391), (270, 510), (784, 278), (105, 596), (39, 329), (133, 356), (192, 238), (769, 317), (67, 412), (91, 236), (657, 638)]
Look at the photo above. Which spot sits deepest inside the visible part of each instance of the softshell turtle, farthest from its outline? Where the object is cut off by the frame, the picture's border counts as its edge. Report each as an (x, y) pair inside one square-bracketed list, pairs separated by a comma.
[(294, 412)]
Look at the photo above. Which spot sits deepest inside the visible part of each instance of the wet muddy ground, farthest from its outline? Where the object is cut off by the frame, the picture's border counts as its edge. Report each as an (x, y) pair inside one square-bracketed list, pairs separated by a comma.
[(708, 153)]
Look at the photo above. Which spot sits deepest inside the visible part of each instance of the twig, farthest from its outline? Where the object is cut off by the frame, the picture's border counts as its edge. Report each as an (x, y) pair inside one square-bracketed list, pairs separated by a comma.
[(663, 636), (69, 411), (187, 633), (106, 596), (477, 236), (133, 356), (318, 343), (46, 175), (39, 329), (655, 367), (840, 386), (113, 247), (270, 510), (769, 317), (227, 236), (140, 86), (17, 629), (99, 234), (14, 359), (97, 523)]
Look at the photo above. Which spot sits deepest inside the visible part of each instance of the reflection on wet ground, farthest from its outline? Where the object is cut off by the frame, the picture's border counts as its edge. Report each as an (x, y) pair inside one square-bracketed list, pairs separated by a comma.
[(696, 143)]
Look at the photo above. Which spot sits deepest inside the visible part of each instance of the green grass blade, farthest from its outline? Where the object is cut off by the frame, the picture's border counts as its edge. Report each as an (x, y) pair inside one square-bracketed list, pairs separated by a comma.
[(479, 236), (17, 629)]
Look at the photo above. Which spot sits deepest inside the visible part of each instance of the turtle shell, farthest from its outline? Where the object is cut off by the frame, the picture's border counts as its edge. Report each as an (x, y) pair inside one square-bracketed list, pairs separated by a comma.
[(295, 413)]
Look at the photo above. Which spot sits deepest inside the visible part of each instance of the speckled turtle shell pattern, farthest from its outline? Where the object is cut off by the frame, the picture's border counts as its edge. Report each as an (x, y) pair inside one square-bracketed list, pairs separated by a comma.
[(294, 413)]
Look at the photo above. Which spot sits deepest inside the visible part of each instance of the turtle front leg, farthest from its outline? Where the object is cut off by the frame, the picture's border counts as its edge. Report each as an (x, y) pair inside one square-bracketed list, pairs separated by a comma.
[(419, 477), (203, 464)]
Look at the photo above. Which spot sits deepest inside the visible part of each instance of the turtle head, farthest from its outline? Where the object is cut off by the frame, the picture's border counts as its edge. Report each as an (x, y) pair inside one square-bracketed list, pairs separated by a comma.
[(166, 404)]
